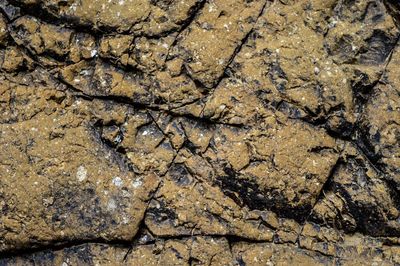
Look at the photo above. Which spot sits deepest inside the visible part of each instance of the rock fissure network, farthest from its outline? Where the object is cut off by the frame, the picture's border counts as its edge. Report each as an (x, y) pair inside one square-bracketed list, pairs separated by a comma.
[(199, 132)]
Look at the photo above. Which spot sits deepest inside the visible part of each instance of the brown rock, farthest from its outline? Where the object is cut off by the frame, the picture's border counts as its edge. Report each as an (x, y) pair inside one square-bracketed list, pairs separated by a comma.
[(192, 132)]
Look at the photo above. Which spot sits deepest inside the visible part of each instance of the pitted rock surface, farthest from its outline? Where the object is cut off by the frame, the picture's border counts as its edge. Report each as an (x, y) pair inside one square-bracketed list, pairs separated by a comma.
[(199, 132)]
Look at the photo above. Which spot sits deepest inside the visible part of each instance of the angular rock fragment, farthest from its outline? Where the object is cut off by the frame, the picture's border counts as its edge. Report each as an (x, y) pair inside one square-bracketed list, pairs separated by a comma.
[(185, 207), (264, 254), (41, 38), (205, 56), (3, 29), (380, 129), (199, 250), (271, 175), (97, 78), (359, 198), (75, 190), (145, 16)]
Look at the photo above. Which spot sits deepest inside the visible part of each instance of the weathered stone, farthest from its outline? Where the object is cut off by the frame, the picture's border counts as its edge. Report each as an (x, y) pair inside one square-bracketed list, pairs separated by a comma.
[(191, 132)]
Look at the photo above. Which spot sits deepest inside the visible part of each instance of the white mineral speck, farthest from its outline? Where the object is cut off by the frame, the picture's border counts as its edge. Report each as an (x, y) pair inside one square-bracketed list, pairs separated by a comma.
[(73, 7), (117, 181), (210, 8), (137, 183), (81, 173), (118, 139), (111, 205), (85, 72), (125, 220)]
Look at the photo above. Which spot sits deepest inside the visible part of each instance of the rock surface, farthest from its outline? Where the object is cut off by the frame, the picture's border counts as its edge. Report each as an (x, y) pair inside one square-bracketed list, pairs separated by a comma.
[(193, 132)]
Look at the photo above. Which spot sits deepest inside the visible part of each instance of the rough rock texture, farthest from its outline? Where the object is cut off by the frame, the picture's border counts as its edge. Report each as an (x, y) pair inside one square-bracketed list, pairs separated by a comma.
[(199, 132)]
